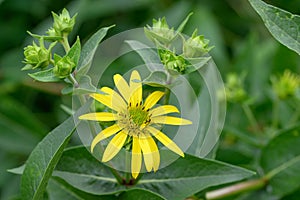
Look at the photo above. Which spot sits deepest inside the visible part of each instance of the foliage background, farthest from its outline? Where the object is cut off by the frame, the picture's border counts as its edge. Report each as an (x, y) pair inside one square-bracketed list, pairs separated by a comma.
[(28, 110)]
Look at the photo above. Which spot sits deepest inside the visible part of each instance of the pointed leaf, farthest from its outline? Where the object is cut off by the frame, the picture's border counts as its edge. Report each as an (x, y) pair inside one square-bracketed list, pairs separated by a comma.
[(59, 189), (89, 49), (280, 160), (43, 160), (149, 56), (179, 180), (45, 76), (284, 26), (74, 52), (183, 23)]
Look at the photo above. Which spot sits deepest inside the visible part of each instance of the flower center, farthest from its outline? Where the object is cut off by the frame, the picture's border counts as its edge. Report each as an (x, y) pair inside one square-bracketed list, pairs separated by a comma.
[(138, 115)]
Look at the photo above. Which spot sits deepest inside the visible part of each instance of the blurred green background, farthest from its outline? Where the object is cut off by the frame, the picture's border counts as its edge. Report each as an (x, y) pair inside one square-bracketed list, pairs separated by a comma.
[(28, 110)]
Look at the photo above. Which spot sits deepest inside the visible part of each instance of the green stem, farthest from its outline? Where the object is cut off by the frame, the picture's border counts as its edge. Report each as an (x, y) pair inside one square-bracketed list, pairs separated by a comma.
[(250, 117), (167, 96), (73, 81), (65, 43), (238, 188)]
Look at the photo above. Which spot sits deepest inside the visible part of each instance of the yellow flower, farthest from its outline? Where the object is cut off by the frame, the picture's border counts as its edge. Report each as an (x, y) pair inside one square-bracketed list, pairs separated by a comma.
[(134, 120)]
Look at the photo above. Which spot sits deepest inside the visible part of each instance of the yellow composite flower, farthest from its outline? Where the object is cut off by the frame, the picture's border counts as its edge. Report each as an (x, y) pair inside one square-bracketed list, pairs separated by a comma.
[(135, 119)]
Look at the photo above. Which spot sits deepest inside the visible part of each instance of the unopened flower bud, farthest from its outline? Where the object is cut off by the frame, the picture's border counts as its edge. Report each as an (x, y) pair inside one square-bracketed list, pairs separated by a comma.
[(37, 56), (234, 89), (160, 31), (195, 46), (63, 23), (172, 62), (63, 67), (286, 85)]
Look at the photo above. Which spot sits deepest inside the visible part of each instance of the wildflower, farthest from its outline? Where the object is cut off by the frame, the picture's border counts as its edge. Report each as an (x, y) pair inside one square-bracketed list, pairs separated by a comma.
[(135, 121), (286, 85)]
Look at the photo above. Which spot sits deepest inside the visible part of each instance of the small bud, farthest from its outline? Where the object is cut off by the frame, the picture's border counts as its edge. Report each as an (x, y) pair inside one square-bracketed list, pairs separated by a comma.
[(62, 23), (234, 89), (37, 56), (63, 67), (160, 31), (286, 85), (172, 62), (195, 46)]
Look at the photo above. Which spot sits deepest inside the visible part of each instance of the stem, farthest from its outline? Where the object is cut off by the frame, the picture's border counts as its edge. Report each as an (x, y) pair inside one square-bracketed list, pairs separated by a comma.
[(74, 81), (250, 117), (65, 43), (167, 96), (236, 189)]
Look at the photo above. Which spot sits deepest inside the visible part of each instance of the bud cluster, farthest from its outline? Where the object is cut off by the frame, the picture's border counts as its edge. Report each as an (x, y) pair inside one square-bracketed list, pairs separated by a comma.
[(37, 56), (195, 47), (287, 85)]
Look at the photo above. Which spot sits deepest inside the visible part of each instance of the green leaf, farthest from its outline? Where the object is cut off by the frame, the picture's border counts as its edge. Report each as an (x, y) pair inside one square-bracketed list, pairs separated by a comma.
[(195, 64), (156, 79), (284, 26), (74, 52), (183, 23), (139, 194), (181, 179), (149, 56), (59, 189), (45, 76), (85, 87), (89, 49), (280, 160), (43, 160), (17, 170)]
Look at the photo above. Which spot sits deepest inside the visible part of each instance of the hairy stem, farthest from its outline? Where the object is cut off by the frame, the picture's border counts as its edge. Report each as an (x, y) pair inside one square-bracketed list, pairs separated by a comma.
[(238, 188)]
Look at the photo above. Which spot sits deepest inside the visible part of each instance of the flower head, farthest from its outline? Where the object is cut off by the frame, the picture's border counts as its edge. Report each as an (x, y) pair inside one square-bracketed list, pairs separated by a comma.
[(135, 121), (160, 31), (37, 56), (63, 23), (286, 85), (196, 46)]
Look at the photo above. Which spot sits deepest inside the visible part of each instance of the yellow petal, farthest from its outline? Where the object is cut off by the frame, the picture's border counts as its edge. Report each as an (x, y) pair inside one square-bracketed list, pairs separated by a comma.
[(122, 86), (99, 116), (162, 110), (136, 161), (155, 153), (165, 140), (170, 120), (114, 146), (147, 153), (112, 99), (152, 99), (109, 131), (135, 89)]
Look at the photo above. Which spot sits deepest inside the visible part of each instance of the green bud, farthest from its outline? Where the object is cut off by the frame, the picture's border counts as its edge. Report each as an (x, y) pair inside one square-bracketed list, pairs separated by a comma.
[(286, 85), (234, 89), (37, 56), (160, 31), (63, 24), (63, 67), (195, 46), (172, 62)]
